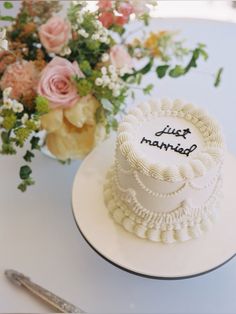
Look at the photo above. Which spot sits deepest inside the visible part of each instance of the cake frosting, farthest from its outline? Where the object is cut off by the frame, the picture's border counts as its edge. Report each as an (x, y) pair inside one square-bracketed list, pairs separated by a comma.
[(166, 180)]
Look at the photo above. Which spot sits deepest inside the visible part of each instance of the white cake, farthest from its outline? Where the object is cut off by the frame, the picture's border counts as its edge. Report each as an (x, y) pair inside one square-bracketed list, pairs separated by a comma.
[(165, 183)]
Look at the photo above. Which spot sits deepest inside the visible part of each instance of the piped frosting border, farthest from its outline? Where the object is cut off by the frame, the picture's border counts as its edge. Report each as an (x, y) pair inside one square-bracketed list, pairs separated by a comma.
[(210, 156)]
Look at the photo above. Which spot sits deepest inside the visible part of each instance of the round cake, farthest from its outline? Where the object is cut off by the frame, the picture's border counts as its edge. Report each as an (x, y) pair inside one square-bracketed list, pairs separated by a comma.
[(166, 180)]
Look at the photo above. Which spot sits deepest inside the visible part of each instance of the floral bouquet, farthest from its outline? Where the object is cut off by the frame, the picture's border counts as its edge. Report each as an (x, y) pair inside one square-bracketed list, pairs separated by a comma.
[(71, 77)]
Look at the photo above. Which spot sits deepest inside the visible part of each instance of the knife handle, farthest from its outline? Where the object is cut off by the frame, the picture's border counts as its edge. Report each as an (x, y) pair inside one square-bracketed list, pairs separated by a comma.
[(50, 298)]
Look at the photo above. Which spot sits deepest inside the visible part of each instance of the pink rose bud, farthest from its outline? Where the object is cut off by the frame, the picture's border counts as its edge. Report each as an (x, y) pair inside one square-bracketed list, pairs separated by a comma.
[(120, 57), (107, 19), (105, 5), (121, 20), (125, 9), (54, 34)]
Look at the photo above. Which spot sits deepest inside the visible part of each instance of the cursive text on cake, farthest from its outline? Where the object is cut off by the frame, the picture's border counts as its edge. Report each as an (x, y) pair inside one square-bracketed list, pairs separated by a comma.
[(162, 145)]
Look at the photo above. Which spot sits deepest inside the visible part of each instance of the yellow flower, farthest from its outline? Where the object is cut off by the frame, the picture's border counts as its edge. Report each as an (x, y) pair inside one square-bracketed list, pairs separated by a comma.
[(72, 133), (152, 43)]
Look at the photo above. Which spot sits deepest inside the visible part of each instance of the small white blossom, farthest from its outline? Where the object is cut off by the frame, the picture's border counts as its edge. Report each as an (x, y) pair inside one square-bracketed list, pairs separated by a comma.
[(80, 19), (3, 41), (103, 39), (1, 120), (83, 33), (37, 123), (104, 70), (105, 57), (106, 80), (8, 104), (108, 41), (65, 51), (112, 69), (95, 36), (116, 93), (114, 77), (17, 107), (6, 93), (111, 85), (52, 54), (24, 118), (98, 81)]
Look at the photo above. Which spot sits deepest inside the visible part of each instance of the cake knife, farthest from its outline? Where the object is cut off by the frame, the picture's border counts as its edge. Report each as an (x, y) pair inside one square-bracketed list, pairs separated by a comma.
[(50, 298)]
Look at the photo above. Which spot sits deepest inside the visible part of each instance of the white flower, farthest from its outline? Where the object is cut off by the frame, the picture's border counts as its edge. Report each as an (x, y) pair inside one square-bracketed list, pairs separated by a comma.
[(103, 39), (83, 33), (104, 70), (107, 41), (95, 36), (37, 123), (114, 77), (3, 41), (111, 85), (124, 70), (8, 103), (1, 120), (105, 57), (116, 93), (65, 51), (98, 81), (17, 107), (106, 80), (112, 69), (6, 93), (24, 118)]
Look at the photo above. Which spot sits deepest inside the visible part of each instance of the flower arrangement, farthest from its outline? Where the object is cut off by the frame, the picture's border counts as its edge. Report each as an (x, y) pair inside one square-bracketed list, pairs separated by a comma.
[(72, 76)]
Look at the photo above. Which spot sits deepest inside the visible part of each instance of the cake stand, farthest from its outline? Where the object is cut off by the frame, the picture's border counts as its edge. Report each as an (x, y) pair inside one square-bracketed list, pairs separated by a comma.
[(140, 256)]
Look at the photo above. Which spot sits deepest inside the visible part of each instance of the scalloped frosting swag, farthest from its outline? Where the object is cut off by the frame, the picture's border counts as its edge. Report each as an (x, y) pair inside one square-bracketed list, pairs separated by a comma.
[(178, 133)]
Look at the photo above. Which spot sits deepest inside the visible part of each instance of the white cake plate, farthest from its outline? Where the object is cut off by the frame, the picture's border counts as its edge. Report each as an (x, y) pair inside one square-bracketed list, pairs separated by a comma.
[(142, 257)]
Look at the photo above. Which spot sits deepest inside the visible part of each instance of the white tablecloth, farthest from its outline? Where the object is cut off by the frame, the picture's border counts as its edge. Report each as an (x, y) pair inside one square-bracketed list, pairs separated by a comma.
[(38, 235)]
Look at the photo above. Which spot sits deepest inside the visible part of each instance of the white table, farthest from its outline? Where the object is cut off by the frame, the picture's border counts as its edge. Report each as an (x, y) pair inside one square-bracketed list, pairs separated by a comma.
[(38, 235)]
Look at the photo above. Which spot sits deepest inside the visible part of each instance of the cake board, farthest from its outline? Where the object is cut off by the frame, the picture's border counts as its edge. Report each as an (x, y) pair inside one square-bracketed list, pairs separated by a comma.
[(140, 256)]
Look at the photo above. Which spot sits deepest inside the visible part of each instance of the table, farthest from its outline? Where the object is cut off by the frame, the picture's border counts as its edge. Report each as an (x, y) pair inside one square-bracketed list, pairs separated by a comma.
[(38, 235)]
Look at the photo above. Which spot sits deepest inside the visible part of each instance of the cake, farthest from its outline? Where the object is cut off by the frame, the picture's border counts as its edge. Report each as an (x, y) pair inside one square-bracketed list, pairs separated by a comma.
[(166, 179)]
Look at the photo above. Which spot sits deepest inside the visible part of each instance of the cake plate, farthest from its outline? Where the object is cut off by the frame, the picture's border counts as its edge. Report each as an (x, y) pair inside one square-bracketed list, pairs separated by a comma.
[(140, 256)]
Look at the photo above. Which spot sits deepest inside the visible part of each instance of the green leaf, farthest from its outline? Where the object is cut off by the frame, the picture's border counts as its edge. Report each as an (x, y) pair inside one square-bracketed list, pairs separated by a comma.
[(8, 5), (35, 142), (7, 18), (147, 67), (86, 68), (161, 70), (25, 172), (107, 105), (147, 90), (42, 106), (177, 71), (24, 184), (218, 77), (28, 156)]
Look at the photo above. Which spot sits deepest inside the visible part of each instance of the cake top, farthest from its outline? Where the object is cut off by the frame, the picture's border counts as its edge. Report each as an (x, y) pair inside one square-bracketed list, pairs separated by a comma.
[(170, 140)]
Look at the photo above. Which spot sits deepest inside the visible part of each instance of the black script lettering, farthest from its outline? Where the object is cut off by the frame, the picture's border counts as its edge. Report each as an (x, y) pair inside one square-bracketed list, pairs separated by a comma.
[(162, 132), (187, 151), (177, 133), (144, 140)]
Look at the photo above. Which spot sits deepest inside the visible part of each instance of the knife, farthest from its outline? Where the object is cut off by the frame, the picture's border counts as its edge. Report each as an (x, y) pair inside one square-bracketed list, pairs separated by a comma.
[(50, 298)]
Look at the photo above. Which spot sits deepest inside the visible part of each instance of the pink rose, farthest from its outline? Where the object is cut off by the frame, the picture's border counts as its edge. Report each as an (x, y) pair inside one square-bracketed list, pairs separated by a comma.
[(107, 19), (54, 34), (121, 20), (104, 5), (56, 83), (120, 57), (125, 9), (22, 77)]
